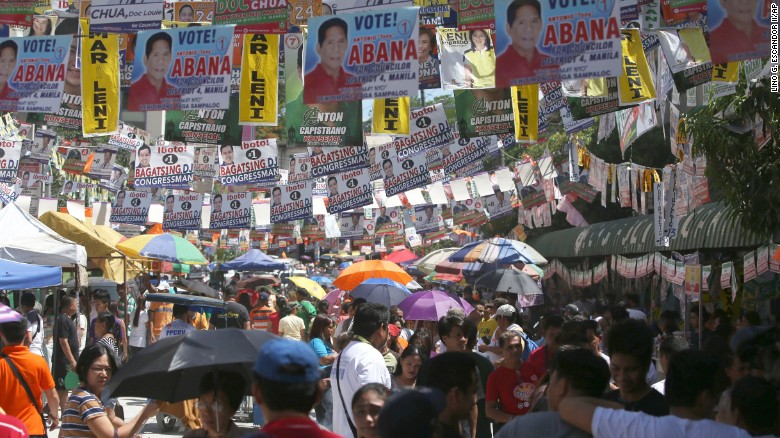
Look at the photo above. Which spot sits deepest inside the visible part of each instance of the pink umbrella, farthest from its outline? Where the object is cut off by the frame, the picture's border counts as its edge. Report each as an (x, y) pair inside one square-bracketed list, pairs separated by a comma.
[(8, 314), (334, 299), (430, 305)]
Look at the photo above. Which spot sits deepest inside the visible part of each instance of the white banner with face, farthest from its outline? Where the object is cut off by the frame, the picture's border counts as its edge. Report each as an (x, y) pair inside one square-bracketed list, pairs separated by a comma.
[(348, 190), (231, 210), (292, 201), (167, 164), (427, 218), (352, 224), (182, 212), (131, 207), (253, 162)]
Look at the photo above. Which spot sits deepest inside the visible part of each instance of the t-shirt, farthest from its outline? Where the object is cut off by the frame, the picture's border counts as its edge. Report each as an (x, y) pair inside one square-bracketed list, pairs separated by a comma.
[(306, 312), (176, 328), (35, 328), (235, 316), (652, 403), (13, 398), (608, 423), (138, 334), (81, 407), (290, 327), (540, 424), (160, 314), (536, 366), (359, 363), (505, 386), (321, 348), (116, 330), (11, 427), (260, 318), (66, 329), (487, 327), (295, 427)]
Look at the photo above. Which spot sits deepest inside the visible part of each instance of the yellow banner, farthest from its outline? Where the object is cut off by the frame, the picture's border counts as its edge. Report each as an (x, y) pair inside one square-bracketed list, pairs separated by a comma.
[(259, 80), (725, 73), (525, 103), (391, 116), (636, 83), (100, 83)]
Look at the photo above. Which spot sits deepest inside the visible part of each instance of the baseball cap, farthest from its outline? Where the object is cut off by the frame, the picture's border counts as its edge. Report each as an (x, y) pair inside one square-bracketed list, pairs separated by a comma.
[(263, 296), (506, 310), (288, 361)]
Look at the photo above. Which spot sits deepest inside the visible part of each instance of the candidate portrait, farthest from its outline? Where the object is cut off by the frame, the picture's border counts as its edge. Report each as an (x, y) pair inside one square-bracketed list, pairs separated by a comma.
[(151, 88), (329, 78)]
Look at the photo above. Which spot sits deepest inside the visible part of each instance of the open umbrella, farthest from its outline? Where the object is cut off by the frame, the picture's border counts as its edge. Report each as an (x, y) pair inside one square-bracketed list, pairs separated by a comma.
[(310, 286), (196, 287), (428, 262), (165, 247), (258, 280), (381, 291), (195, 303), (334, 298), (322, 280), (499, 251), (171, 368), (401, 256), (362, 271), (509, 280), (428, 305), (8, 314)]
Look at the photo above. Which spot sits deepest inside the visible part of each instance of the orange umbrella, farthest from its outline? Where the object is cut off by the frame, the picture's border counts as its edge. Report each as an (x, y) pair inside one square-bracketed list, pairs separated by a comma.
[(359, 272)]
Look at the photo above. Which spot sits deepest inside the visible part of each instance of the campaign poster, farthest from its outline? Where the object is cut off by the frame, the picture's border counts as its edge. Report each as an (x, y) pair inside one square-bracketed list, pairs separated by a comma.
[(352, 224), (688, 57), (299, 168), (193, 12), (100, 85), (10, 153), (29, 180), (210, 126), (498, 204), (537, 43), (291, 202), (348, 190), (16, 13), (165, 164), (34, 73), (124, 17), (475, 14), (525, 102), (182, 69), (740, 31), (182, 212), (102, 162), (259, 85), (118, 177), (428, 57), (465, 151), (453, 45), (365, 55), (391, 116), (633, 122), (402, 174), (636, 83), (388, 220), (428, 129), (231, 210), (591, 97), (465, 212), (324, 124), (253, 162), (484, 112), (327, 161), (42, 145), (131, 207), (206, 162), (126, 137), (76, 159), (301, 10), (427, 218), (126, 59), (71, 187), (253, 16)]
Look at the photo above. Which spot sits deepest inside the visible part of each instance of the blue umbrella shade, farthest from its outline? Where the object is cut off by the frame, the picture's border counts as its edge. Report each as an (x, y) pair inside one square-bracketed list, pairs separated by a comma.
[(324, 281), (498, 250), (14, 275), (253, 260), (381, 291)]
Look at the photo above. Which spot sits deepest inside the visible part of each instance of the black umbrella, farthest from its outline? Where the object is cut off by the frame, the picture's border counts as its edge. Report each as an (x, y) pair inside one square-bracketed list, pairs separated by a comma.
[(195, 303), (197, 287), (509, 280), (170, 369)]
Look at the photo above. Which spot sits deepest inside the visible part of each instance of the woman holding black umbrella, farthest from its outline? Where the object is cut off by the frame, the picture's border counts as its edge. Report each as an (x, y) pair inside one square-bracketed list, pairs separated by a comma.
[(84, 414)]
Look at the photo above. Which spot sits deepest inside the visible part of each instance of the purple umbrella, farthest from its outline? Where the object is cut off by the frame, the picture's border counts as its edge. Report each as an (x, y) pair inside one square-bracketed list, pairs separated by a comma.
[(8, 314), (430, 305)]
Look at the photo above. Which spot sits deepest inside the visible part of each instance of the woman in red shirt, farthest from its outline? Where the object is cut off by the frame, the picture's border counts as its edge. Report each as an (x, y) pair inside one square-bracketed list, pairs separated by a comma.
[(507, 395)]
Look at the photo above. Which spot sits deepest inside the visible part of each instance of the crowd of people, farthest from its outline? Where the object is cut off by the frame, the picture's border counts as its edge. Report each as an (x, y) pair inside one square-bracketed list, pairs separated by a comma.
[(574, 366)]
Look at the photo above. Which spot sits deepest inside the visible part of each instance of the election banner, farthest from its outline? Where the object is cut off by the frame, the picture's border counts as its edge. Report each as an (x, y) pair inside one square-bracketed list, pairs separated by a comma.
[(126, 137), (314, 228), (118, 177), (633, 122), (352, 225), (10, 153), (291, 202), (590, 98), (299, 168), (253, 162), (465, 151), (193, 12), (302, 10), (475, 14), (206, 162), (724, 80), (484, 112), (349, 190), (327, 161), (688, 57), (186, 68), (100, 83), (636, 83), (182, 212), (71, 187), (16, 13), (131, 207), (391, 116), (562, 41), (101, 163), (428, 57), (428, 129), (10, 192), (453, 45), (36, 73), (126, 59), (402, 174), (427, 218), (204, 126), (740, 33), (124, 16), (371, 55), (231, 210), (165, 164), (340, 7), (465, 212), (525, 100), (30, 180), (253, 16), (388, 220), (42, 145), (259, 80), (76, 159), (499, 204)]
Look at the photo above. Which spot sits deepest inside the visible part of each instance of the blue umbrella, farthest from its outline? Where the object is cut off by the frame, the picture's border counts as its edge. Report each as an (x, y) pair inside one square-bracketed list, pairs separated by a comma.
[(322, 280), (381, 291), (345, 265), (499, 251)]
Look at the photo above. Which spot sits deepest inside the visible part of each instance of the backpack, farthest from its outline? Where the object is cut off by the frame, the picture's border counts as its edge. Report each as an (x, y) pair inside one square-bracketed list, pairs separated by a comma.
[(530, 346)]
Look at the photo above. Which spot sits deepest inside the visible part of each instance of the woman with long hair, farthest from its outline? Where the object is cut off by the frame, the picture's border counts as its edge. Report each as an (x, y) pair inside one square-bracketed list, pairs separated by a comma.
[(480, 61), (423, 340), (321, 341), (139, 328), (408, 369)]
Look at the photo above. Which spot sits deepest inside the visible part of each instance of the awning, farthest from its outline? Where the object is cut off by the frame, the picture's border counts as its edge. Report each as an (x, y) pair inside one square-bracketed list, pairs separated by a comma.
[(15, 275), (71, 228), (26, 240), (709, 226)]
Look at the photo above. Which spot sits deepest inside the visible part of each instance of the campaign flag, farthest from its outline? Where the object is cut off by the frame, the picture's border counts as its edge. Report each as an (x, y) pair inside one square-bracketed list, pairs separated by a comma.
[(352, 224), (100, 83), (688, 57), (10, 153), (291, 202), (42, 145), (36, 74), (428, 129), (475, 14), (76, 159), (327, 161), (348, 190), (498, 204), (182, 212), (101, 163), (369, 54), (231, 210), (740, 32), (253, 16), (186, 68), (465, 151), (427, 218), (636, 83), (165, 164), (193, 12), (525, 100), (562, 41), (124, 16), (484, 112), (590, 98), (300, 168), (314, 228), (391, 116), (402, 174), (131, 207), (206, 162), (428, 57), (259, 80), (327, 124), (253, 162), (126, 137), (633, 122), (31, 179), (389, 220), (212, 126), (126, 58)]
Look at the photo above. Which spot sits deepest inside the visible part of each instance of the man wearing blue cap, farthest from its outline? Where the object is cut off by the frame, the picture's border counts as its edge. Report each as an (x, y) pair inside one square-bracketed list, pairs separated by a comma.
[(286, 386)]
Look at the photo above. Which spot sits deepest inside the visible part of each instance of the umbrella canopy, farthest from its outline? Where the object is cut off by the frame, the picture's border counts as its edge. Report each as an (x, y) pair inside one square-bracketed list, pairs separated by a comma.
[(499, 251), (15, 275), (195, 303), (258, 280), (381, 291), (171, 368), (362, 271), (197, 287), (80, 232), (322, 280), (509, 280), (310, 286), (402, 256), (166, 247), (413, 285), (8, 314), (253, 260), (448, 267), (428, 305), (428, 262), (334, 298), (345, 265)]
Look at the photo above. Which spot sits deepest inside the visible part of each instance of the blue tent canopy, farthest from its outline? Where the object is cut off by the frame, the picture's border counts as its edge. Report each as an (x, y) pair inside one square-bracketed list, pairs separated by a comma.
[(253, 260), (15, 275)]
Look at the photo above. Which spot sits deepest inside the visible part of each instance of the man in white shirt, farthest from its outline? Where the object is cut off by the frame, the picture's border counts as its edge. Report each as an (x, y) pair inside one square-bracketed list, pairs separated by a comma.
[(359, 363), (35, 324), (179, 326)]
